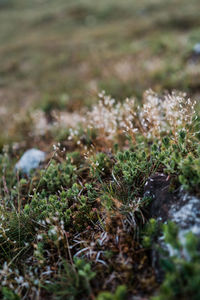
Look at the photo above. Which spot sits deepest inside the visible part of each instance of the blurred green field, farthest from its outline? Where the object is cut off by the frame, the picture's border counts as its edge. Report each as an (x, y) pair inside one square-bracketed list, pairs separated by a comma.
[(72, 49)]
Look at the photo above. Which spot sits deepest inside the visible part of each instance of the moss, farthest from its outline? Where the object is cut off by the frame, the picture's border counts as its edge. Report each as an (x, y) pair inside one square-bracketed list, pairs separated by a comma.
[(57, 176)]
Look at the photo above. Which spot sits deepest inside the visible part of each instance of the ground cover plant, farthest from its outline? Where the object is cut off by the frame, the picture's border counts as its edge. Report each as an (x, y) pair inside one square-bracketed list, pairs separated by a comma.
[(79, 222), (75, 77)]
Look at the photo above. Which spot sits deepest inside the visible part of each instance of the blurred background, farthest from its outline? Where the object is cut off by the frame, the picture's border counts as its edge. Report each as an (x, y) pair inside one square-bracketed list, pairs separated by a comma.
[(57, 55)]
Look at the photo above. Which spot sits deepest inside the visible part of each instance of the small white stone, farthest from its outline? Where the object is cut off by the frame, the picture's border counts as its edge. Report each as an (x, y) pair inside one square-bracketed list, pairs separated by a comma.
[(30, 160), (196, 48)]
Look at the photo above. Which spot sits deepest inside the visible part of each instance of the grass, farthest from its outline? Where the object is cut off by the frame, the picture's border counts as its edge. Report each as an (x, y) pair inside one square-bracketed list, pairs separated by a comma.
[(79, 227)]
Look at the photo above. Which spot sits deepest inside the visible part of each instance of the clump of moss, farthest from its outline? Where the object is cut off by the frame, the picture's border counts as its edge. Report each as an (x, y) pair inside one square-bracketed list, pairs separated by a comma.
[(57, 176)]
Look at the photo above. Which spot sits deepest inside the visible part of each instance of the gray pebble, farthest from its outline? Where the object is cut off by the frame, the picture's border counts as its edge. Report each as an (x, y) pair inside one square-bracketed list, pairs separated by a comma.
[(196, 49), (30, 160)]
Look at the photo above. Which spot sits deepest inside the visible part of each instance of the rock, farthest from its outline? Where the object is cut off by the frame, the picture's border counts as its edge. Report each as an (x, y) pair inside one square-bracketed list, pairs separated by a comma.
[(196, 49), (179, 207), (186, 213), (30, 160), (157, 187), (194, 56)]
